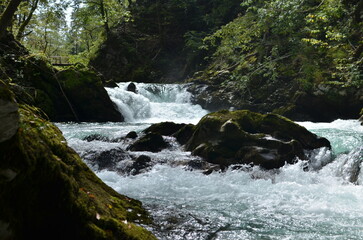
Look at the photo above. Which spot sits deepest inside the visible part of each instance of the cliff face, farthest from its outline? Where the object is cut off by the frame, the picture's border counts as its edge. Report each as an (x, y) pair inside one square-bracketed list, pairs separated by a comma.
[(47, 191), (161, 43)]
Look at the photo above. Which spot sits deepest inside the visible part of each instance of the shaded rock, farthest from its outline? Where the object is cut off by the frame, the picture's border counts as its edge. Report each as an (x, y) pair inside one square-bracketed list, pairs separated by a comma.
[(9, 116), (119, 161), (110, 84), (87, 95), (49, 191), (361, 117), (184, 134), (244, 137), (323, 103), (151, 142), (164, 128), (96, 137), (106, 159), (140, 163), (72, 94), (132, 88), (132, 135)]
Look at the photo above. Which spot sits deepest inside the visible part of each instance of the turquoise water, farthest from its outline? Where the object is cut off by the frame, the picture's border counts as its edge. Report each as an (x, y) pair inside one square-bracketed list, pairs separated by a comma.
[(289, 203), (286, 204)]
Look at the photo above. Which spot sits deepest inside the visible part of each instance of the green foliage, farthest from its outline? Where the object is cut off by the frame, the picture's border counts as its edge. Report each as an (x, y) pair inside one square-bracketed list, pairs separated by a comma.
[(91, 23), (308, 41)]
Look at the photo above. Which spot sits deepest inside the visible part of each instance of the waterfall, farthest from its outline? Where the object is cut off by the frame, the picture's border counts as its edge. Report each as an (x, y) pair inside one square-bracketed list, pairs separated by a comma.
[(156, 103)]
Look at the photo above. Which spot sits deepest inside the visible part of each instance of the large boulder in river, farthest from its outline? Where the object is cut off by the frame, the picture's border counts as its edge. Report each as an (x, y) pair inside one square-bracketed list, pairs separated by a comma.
[(245, 137), (47, 191)]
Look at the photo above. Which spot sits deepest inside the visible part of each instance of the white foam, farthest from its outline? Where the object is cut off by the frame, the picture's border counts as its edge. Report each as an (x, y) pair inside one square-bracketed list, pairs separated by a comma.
[(156, 103)]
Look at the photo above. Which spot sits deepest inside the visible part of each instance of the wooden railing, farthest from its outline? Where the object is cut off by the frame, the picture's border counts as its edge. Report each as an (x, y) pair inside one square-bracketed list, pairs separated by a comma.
[(60, 61)]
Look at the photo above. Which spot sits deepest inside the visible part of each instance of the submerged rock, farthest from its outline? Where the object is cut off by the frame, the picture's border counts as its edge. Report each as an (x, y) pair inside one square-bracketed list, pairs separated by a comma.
[(151, 142), (132, 88), (119, 161), (107, 159), (132, 135), (47, 190), (140, 163), (244, 137), (96, 137)]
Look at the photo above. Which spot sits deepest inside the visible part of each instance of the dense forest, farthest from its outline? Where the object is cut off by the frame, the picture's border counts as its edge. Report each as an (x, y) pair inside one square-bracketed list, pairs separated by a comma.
[(276, 56), (60, 60)]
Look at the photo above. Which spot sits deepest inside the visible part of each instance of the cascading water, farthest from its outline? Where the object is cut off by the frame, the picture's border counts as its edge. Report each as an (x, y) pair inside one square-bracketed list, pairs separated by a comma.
[(154, 103), (289, 203)]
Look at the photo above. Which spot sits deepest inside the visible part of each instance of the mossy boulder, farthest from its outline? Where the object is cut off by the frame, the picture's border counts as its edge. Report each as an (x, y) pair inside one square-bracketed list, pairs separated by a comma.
[(245, 137), (71, 94), (184, 134), (47, 191), (86, 93)]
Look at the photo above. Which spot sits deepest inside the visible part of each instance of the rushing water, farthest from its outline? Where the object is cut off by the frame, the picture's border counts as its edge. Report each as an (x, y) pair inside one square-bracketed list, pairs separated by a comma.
[(286, 204)]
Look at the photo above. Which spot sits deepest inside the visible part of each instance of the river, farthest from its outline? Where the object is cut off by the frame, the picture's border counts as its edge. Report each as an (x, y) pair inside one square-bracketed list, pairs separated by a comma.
[(288, 203)]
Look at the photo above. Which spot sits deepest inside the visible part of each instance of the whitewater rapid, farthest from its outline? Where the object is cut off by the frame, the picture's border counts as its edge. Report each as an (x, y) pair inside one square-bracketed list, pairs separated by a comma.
[(288, 203), (154, 103)]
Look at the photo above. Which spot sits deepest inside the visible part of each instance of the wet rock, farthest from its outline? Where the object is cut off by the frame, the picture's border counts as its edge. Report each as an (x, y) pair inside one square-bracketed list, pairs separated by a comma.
[(244, 137), (132, 88), (96, 137), (132, 135), (107, 159), (164, 128), (151, 142), (184, 134), (140, 164)]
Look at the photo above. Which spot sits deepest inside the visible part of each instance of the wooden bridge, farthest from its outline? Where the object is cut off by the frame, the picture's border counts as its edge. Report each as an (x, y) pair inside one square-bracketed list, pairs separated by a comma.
[(60, 61)]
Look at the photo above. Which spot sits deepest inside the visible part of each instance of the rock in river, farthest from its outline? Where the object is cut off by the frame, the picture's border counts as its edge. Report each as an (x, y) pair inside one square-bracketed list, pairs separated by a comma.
[(245, 137)]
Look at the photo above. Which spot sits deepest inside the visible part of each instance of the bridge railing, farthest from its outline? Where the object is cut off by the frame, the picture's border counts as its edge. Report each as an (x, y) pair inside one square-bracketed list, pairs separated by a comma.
[(60, 61)]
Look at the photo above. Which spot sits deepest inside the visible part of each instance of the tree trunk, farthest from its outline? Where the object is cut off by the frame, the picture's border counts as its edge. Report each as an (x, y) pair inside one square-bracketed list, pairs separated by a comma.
[(25, 23), (104, 17), (7, 16)]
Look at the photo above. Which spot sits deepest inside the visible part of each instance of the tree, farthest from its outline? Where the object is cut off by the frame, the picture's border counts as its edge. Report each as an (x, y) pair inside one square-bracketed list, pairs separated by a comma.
[(7, 16), (26, 19)]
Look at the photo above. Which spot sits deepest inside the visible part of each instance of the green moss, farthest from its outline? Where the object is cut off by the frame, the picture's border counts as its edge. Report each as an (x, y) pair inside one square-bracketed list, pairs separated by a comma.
[(55, 194), (284, 110)]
